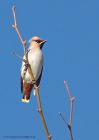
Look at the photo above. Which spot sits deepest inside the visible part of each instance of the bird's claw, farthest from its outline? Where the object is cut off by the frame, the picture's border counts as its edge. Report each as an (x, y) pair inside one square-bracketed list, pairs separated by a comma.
[(33, 82)]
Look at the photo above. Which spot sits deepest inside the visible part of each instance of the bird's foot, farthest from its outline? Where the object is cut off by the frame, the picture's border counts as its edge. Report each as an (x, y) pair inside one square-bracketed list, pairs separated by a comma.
[(33, 82)]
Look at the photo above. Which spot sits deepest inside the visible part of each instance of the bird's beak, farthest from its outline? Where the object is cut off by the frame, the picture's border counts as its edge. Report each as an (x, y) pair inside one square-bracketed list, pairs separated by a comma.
[(43, 41)]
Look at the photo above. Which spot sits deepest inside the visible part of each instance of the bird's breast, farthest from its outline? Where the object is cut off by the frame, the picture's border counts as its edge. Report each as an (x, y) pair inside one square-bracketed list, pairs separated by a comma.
[(35, 59)]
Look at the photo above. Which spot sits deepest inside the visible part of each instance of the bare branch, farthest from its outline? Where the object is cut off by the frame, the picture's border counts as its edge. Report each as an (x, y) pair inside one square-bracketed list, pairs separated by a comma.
[(71, 102), (17, 30), (30, 72), (71, 109), (71, 98), (67, 124), (41, 112)]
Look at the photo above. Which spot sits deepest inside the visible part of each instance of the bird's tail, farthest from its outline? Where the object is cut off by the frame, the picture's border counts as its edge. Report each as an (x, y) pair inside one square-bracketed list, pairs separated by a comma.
[(25, 101), (26, 92)]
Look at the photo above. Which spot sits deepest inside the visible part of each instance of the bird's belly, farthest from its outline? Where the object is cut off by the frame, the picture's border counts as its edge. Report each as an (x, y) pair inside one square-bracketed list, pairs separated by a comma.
[(36, 61), (36, 66)]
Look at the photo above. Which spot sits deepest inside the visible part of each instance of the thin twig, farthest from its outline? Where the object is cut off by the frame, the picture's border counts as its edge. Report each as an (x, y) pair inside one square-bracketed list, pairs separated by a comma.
[(71, 109), (71, 98), (20, 57), (62, 117), (67, 124), (17, 30), (41, 113)]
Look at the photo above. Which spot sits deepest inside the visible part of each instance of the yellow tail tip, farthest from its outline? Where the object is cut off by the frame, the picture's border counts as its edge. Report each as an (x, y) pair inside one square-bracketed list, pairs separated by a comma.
[(25, 101)]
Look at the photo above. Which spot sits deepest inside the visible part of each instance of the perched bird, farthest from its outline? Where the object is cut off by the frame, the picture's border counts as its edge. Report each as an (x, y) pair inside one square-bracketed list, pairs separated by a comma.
[(35, 59)]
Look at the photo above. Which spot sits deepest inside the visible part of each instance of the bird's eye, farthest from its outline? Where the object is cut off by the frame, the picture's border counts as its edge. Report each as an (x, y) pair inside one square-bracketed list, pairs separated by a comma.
[(38, 41)]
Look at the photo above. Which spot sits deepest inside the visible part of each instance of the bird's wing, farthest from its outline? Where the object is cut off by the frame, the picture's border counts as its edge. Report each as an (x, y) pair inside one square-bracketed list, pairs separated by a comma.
[(39, 79), (21, 84), (37, 82)]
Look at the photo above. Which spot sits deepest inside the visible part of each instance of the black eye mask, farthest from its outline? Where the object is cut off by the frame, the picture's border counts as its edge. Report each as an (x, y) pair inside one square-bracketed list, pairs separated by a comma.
[(38, 41)]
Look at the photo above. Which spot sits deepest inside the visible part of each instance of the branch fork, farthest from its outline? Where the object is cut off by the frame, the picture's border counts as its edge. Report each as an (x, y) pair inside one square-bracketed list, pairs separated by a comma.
[(71, 98)]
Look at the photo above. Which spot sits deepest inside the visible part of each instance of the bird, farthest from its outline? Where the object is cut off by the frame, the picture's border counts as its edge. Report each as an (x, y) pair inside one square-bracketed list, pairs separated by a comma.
[(35, 60)]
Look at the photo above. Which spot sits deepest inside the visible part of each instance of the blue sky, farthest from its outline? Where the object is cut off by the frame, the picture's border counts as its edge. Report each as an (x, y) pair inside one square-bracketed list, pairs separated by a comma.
[(71, 53)]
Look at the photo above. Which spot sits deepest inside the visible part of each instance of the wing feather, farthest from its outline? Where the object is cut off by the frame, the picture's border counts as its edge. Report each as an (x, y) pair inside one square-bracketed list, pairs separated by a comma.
[(21, 84), (39, 79)]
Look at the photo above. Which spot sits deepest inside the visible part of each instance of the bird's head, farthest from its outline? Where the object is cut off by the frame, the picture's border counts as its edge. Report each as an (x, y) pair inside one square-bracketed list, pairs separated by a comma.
[(37, 42)]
